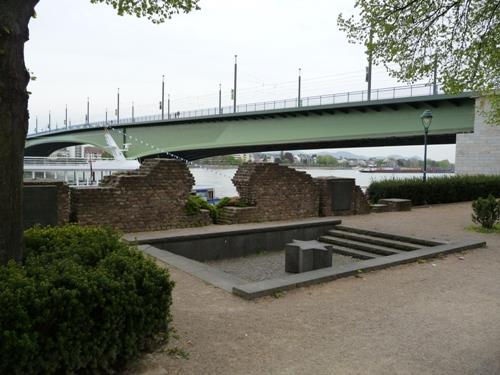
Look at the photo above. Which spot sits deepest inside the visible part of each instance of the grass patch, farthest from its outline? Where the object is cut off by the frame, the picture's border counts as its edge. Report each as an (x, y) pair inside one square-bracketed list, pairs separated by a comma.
[(480, 229)]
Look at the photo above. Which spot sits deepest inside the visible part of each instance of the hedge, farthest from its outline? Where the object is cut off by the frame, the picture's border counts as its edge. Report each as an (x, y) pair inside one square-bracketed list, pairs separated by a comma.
[(436, 189), (83, 302)]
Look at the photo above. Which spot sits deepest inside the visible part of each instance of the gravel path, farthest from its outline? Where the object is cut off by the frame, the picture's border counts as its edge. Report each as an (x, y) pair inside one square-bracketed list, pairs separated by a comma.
[(266, 265), (440, 317)]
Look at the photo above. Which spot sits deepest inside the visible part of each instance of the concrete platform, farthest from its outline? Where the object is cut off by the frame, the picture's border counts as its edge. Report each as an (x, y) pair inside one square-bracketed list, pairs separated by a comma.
[(258, 289), (267, 287)]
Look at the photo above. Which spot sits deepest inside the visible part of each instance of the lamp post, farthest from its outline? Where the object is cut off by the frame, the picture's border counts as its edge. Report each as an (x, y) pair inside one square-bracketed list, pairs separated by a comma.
[(220, 98), (235, 81), (88, 111), (426, 119), (162, 103), (299, 99), (117, 110)]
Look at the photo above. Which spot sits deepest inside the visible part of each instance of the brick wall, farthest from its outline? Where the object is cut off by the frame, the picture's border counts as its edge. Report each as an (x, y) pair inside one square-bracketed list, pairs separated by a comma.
[(150, 198), (63, 197), (278, 192), (239, 215), (361, 205)]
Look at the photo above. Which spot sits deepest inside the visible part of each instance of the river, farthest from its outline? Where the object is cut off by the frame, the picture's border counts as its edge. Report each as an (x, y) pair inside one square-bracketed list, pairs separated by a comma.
[(220, 178)]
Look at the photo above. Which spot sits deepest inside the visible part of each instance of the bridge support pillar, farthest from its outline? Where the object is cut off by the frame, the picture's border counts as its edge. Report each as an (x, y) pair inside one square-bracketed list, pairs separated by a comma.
[(479, 152)]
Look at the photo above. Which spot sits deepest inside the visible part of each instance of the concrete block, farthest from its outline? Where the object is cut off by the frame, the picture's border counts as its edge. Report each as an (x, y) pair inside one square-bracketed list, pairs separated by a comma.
[(397, 204), (303, 256)]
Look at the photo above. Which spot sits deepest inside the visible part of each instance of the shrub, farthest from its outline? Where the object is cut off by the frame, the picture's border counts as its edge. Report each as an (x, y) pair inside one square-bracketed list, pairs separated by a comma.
[(231, 201), (83, 301), (486, 211), (436, 189), (196, 203)]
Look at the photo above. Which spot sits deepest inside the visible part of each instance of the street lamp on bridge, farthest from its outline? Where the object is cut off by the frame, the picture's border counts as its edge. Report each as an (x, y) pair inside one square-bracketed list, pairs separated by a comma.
[(426, 119)]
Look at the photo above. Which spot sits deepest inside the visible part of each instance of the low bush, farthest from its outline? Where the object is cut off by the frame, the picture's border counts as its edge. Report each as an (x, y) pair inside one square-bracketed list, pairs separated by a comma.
[(486, 211), (83, 301), (436, 189), (196, 203), (231, 202)]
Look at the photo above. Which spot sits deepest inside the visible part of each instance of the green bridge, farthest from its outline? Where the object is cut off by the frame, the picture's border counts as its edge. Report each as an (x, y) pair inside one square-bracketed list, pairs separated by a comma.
[(306, 125)]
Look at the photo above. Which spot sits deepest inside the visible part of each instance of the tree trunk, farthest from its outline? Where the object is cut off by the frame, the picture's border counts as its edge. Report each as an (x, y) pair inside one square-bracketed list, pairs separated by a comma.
[(14, 19)]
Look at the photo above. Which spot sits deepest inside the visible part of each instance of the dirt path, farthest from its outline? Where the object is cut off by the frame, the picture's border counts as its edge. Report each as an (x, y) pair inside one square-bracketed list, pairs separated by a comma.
[(439, 317)]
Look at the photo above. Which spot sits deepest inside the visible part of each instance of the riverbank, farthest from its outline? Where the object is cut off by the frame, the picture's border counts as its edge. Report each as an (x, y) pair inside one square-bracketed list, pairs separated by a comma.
[(436, 317)]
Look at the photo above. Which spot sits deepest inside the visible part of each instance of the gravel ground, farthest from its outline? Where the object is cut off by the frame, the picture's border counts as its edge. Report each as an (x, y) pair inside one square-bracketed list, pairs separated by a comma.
[(439, 317), (266, 265)]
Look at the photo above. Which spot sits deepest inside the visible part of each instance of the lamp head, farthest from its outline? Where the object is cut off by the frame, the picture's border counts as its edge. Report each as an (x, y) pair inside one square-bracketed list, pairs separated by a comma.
[(426, 118)]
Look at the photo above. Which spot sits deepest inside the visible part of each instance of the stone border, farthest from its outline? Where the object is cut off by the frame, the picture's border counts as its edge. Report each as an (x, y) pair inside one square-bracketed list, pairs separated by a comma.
[(267, 287), (263, 288), (209, 274), (185, 234)]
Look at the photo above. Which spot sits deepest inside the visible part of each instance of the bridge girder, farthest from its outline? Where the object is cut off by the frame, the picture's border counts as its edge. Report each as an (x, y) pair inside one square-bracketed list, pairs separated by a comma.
[(364, 124)]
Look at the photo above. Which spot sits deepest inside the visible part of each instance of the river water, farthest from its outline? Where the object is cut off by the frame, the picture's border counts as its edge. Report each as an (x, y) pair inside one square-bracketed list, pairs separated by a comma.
[(220, 178)]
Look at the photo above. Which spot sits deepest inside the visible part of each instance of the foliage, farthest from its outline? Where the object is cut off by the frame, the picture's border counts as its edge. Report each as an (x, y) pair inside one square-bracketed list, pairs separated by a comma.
[(476, 228), (436, 189), (458, 38), (288, 158), (486, 211), (222, 160), (196, 203), (156, 11), (83, 301), (327, 160), (231, 201)]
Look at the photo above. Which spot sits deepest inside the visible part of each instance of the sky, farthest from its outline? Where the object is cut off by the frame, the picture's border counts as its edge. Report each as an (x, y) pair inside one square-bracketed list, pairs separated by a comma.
[(79, 50)]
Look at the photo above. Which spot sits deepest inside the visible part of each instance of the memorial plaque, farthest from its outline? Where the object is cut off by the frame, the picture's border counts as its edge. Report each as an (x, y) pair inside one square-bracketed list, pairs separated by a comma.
[(341, 192), (40, 205)]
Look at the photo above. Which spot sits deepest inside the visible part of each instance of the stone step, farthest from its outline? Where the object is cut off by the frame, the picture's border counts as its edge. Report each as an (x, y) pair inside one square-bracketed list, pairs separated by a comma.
[(359, 245), (390, 236), (360, 254), (379, 207), (399, 245), (396, 204)]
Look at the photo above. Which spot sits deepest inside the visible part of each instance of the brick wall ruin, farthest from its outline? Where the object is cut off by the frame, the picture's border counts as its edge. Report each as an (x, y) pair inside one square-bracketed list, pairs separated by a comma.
[(154, 197), (278, 192), (150, 198)]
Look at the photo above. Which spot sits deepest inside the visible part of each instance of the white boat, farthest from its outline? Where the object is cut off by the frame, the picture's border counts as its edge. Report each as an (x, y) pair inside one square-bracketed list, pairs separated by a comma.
[(80, 171)]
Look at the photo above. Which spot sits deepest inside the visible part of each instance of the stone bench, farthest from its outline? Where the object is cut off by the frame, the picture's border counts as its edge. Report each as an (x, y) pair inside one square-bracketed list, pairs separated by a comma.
[(378, 208), (396, 204), (303, 256)]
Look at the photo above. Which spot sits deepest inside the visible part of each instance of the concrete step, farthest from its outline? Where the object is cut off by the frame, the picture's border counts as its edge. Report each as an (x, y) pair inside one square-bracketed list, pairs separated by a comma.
[(390, 236), (360, 254), (399, 245), (379, 207), (359, 245)]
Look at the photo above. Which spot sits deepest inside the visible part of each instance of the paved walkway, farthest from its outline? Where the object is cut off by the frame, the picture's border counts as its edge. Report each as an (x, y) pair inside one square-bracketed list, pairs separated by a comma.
[(439, 317)]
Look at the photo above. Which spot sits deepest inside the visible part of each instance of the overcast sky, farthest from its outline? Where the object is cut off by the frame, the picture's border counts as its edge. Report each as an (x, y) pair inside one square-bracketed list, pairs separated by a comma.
[(79, 50)]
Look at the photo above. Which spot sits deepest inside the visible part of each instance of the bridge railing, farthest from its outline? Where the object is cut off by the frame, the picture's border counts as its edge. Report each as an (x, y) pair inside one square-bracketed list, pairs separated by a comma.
[(320, 100)]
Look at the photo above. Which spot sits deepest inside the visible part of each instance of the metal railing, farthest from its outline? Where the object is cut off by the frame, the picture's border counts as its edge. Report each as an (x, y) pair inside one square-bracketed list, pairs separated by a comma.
[(396, 92), (48, 161)]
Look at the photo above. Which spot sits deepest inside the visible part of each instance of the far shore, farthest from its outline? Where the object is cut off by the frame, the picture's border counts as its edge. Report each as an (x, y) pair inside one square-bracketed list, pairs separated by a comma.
[(226, 166)]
